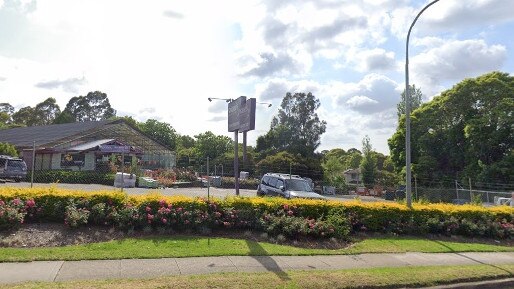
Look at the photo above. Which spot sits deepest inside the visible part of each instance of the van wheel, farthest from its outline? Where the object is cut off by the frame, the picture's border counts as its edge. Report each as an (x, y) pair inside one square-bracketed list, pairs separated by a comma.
[(17, 180)]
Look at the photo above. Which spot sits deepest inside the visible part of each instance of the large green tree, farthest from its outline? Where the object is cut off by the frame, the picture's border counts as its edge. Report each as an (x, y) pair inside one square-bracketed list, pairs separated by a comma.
[(94, 106), (208, 144), (368, 163), (160, 131), (467, 131), (416, 99), (45, 112), (296, 129), (8, 149)]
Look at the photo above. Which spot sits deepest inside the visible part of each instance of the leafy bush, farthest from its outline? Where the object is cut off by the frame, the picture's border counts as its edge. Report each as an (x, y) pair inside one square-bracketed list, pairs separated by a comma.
[(12, 213), (73, 177), (74, 217), (291, 218)]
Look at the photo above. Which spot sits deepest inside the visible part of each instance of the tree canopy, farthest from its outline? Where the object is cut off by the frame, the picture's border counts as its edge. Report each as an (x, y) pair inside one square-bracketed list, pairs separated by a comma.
[(416, 99), (160, 131), (94, 106), (296, 129), (467, 131)]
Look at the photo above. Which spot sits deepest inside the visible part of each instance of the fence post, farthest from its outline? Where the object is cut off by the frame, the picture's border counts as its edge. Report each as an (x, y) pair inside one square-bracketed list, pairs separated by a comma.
[(122, 170), (470, 190), (33, 163), (416, 187), (208, 182)]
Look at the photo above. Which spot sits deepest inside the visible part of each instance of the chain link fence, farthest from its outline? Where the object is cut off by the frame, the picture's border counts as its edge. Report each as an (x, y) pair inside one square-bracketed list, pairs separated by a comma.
[(135, 175)]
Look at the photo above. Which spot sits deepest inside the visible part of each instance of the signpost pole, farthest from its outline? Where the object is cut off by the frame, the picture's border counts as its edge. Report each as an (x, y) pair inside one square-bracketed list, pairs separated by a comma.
[(122, 170), (236, 162), (244, 149)]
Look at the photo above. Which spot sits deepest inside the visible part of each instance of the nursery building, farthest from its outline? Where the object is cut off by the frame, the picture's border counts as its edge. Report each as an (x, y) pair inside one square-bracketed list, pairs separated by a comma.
[(88, 146)]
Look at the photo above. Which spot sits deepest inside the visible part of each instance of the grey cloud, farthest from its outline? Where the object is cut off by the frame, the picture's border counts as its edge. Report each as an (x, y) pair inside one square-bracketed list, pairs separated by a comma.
[(456, 60), (271, 64), (173, 14), (147, 110), (379, 62), (275, 31), (466, 14), (338, 26), (218, 107), (274, 90), (217, 118), (384, 120), (375, 93), (68, 85)]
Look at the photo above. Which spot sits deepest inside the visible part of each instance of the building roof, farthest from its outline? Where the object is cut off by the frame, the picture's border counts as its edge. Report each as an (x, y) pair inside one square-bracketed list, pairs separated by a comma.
[(89, 145), (23, 137)]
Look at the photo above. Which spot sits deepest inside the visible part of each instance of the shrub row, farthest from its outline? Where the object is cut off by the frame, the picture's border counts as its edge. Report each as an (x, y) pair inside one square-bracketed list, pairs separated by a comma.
[(292, 218), (73, 177)]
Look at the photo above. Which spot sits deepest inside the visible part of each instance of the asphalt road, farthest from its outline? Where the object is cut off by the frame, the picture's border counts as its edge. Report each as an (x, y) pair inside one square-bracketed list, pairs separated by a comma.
[(192, 192)]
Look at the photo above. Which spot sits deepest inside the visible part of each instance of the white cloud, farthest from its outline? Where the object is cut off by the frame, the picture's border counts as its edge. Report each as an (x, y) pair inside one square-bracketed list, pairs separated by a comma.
[(373, 60), (374, 93), (69, 85), (455, 60)]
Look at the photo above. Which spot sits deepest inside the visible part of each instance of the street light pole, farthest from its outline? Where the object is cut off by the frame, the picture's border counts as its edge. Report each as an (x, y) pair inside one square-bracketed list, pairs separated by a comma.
[(408, 185)]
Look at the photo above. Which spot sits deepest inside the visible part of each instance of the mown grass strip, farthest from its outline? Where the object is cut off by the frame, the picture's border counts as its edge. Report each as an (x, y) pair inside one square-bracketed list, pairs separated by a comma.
[(349, 279), (181, 246)]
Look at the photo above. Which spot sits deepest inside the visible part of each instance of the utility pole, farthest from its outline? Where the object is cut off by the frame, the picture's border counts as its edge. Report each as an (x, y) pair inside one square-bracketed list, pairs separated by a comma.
[(408, 185), (208, 181)]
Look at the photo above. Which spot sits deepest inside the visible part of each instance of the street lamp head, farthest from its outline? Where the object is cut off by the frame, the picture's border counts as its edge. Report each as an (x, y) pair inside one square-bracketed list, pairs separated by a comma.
[(269, 105), (210, 99)]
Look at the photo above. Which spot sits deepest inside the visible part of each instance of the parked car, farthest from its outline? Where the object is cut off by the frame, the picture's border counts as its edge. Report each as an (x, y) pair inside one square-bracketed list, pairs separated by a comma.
[(287, 186), (12, 168)]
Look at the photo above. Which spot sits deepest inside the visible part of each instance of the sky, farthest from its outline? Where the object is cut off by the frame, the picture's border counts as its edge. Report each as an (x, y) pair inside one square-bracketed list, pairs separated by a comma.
[(163, 59)]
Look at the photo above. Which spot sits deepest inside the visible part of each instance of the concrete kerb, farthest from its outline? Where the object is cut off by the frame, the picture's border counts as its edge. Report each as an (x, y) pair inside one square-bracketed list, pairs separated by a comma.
[(490, 284)]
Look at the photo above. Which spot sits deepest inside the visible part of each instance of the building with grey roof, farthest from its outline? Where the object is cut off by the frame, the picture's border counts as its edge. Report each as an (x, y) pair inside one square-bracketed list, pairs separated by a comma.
[(88, 146)]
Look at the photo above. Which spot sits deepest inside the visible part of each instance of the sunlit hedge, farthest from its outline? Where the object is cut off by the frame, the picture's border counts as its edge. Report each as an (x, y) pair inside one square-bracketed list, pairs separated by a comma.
[(273, 215)]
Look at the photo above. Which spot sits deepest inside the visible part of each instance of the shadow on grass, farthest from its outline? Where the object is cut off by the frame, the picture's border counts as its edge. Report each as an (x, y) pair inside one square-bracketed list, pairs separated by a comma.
[(262, 256)]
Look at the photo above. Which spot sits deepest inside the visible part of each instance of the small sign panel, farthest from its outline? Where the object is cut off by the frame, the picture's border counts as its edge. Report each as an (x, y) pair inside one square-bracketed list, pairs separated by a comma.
[(241, 114)]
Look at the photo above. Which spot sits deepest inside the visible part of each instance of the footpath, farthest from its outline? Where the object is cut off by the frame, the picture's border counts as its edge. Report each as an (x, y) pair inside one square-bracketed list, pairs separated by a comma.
[(146, 268)]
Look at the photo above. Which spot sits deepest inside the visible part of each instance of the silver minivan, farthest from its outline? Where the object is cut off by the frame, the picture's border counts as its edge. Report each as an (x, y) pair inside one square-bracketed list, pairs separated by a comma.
[(287, 186), (12, 168)]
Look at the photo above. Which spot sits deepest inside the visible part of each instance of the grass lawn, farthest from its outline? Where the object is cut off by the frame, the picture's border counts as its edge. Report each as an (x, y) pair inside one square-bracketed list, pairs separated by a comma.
[(181, 246), (354, 278)]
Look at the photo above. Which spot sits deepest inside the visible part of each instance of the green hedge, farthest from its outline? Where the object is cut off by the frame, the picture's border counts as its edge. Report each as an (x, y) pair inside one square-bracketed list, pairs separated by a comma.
[(292, 218), (73, 177)]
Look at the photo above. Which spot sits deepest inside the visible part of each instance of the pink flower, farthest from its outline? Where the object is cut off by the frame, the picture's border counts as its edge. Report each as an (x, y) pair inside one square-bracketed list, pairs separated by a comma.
[(30, 203), (162, 203), (164, 221), (290, 213), (148, 209), (186, 222), (149, 217), (286, 207), (226, 224), (16, 202), (2, 203)]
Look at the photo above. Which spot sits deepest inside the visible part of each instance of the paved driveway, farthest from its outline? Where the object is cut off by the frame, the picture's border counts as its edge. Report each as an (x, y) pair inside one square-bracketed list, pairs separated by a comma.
[(193, 192)]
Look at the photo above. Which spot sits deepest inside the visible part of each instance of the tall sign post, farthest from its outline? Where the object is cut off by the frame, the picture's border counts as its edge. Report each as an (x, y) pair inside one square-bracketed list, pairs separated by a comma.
[(241, 118)]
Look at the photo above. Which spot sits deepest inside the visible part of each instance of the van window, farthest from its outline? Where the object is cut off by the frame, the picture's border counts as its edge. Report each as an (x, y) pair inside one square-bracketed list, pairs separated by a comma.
[(17, 164), (2, 163), (265, 180), (280, 183), (273, 182)]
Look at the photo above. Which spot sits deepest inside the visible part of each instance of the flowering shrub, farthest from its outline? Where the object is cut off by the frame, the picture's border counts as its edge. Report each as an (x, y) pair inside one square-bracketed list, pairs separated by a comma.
[(74, 217), (292, 218), (12, 213)]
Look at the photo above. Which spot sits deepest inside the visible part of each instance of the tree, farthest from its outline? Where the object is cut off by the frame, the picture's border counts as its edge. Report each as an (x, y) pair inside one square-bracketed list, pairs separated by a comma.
[(210, 145), (94, 106), (282, 162), (416, 98), (368, 163), (161, 132), (333, 170), (45, 112), (24, 116), (467, 131), (8, 149), (185, 141), (297, 127)]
